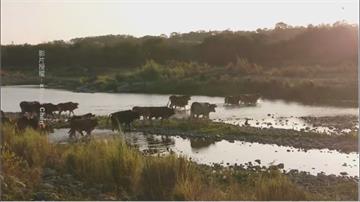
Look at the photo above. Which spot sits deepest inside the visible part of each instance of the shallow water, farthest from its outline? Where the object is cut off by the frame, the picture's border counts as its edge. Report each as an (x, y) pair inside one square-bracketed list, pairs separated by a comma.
[(239, 152), (267, 113)]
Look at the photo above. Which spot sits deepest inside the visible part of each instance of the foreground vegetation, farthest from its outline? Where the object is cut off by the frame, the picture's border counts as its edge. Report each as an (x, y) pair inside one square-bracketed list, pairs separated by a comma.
[(108, 169)]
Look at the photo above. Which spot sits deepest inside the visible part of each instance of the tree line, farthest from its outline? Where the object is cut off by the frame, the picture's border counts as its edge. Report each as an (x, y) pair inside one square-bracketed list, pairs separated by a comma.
[(283, 45)]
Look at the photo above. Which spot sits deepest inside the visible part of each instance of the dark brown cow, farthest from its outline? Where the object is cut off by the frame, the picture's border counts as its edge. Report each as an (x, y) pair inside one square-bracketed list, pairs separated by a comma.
[(142, 111), (179, 101), (4, 119), (67, 106), (26, 121), (249, 99), (202, 108), (161, 112), (154, 112), (84, 116), (30, 107), (49, 108), (81, 125), (123, 117), (232, 100)]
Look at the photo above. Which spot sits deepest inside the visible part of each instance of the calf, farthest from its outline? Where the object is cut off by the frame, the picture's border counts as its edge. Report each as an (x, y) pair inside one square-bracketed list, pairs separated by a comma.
[(123, 117), (202, 108)]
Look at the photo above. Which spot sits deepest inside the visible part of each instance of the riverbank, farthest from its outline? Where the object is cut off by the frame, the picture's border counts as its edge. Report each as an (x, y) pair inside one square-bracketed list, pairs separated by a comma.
[(309, 91), (34, 169), (218, 131)]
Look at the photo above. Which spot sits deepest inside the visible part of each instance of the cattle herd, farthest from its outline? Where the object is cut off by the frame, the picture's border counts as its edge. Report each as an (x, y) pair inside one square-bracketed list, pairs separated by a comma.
[(33, 113)]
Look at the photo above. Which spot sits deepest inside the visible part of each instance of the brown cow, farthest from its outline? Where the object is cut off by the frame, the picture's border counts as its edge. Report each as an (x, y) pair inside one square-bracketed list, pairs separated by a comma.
[(49, 108), (154, 112), (81, 125), (4, 119), (142, 111), (123, 117), (232, 100), (67, 106), (202, 108), (26, 121), (84, 116), (249, 99), (179, 101), (30, 107)]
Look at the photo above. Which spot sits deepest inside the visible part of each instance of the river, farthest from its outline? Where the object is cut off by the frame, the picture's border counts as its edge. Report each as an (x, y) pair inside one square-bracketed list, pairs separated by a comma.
[(201, 151)]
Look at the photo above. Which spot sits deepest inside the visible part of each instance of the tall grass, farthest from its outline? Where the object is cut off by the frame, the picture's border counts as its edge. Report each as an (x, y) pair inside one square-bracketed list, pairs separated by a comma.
[(112, 164), (113, 167)]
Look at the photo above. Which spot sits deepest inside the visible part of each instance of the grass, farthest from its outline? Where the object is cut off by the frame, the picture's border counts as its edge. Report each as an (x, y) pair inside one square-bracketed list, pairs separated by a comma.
[(123, 172)]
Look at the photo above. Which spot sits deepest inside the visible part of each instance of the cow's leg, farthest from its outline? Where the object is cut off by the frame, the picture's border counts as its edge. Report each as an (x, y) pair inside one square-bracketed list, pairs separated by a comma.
[(88, 132)]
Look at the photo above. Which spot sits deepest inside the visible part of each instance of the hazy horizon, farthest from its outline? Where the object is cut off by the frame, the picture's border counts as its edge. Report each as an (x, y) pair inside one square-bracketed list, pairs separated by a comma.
[(35, 22)]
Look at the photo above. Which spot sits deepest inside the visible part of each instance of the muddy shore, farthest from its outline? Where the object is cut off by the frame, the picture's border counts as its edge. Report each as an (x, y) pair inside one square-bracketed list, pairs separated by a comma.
[(218, 131)]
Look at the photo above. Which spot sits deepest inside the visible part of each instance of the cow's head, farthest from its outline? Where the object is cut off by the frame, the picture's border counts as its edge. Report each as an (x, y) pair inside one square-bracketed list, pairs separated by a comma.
[(212, 107)]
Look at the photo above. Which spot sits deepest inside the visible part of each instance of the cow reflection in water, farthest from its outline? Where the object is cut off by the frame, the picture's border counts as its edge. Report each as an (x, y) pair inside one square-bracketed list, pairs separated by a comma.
[(199, 143), (158, 145)]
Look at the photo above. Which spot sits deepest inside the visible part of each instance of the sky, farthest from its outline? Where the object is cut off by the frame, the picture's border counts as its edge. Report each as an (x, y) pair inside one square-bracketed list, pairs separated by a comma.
[(38, 21)]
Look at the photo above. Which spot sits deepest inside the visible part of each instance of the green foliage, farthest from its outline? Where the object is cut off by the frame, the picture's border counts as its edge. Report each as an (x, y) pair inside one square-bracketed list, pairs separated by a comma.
[(150, 71), (283, 45)]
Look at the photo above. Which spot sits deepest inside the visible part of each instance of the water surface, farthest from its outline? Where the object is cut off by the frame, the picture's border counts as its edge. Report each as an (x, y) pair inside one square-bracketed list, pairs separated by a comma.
[(237, 152), (267, 113)]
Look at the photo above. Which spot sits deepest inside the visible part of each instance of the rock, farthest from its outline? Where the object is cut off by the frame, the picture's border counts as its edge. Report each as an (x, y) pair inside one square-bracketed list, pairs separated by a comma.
[(280, 166), (48, 172), (45, 196), (343, 173), (47, 186)]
